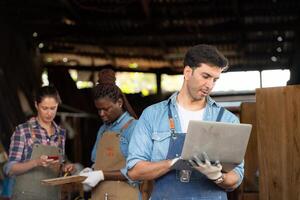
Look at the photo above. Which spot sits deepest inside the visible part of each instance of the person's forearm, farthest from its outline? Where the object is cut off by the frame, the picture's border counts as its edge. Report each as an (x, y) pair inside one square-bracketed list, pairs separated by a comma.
[(20, 168), (231, 180), (114, 175), (145, 170)]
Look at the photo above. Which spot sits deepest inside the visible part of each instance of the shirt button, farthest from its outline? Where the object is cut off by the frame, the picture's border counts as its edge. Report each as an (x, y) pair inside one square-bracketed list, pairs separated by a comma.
[(48, 140), (176, 155)]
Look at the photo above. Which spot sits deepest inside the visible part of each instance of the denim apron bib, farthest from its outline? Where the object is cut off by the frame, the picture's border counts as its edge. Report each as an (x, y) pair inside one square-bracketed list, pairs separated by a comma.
[(174, 185), (28, 186)]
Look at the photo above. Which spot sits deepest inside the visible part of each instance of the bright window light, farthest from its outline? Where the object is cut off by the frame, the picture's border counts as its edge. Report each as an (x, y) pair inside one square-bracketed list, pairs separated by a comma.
[(84, 84), (274, 78), (82, 78), (136, 82), (74, 74), (238, 81), (171, 83), (45, 80)]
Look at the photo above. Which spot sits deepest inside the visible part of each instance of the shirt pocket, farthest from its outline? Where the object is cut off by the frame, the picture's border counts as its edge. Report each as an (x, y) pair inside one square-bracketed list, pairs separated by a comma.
[(161, 141)]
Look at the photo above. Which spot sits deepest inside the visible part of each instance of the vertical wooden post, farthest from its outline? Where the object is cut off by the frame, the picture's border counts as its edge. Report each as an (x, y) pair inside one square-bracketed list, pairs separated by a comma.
[(250, 183), (278, 127)]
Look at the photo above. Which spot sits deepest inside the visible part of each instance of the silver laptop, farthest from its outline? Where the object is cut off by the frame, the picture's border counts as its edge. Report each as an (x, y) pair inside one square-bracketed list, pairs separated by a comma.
[(226, 142)]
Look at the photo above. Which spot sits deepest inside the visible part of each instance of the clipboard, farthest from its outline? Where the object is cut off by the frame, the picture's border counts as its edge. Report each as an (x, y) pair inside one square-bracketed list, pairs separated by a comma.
[(64, 180)]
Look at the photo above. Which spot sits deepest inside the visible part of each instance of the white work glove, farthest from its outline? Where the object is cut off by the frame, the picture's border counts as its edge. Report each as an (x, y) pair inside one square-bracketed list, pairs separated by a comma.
[(93, 177), (173, 161), (211, 171), (86, 187), (87, 169), (179, 164)]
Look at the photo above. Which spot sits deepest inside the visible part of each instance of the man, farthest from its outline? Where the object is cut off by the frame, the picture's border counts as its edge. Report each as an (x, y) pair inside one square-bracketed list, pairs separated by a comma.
[(158, 137)]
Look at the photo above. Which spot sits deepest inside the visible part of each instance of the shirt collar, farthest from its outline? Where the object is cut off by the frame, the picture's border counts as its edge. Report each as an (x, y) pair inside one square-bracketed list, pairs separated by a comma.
[(172, 98), (210, 101), (35, 124), (118, 120)]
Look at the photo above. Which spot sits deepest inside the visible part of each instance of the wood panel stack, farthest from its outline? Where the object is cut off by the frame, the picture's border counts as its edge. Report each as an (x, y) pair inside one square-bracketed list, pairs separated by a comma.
[(249, 188), (278, 127)]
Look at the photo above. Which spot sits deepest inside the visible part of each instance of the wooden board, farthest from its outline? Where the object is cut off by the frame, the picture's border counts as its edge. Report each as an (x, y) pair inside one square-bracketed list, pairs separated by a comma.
[(63, 180), (250, 196), (248, 115), (278, 128)]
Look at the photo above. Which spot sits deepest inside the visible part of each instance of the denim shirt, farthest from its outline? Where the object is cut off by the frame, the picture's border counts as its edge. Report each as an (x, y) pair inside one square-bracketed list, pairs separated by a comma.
[(151, 136), (116, 126)]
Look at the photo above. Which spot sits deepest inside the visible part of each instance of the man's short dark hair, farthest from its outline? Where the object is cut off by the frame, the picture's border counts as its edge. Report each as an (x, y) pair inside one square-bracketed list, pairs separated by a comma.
[(206, 54)]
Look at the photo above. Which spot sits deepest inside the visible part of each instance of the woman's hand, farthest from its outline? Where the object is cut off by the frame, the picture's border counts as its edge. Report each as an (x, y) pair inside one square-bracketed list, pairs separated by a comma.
[(70, 168), (45, 162)]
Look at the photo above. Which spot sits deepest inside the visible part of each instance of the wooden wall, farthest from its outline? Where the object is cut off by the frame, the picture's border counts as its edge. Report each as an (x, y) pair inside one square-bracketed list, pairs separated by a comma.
[(278, 127), (249, 188)]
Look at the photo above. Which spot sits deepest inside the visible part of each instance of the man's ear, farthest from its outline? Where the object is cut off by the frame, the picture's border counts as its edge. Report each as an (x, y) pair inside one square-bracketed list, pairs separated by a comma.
[(187, 72)]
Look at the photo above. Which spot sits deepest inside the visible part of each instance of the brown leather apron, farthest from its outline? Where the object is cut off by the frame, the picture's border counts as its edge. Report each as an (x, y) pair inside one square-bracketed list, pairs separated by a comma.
[(109, 157), (28, 185)]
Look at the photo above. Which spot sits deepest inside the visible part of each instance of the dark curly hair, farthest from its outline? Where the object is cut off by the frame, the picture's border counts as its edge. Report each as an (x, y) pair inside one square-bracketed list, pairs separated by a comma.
[(107, 87)]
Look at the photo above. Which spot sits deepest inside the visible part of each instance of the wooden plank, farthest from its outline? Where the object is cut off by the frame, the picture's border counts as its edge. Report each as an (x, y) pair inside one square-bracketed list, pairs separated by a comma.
[(278, 127), (250, 196), (63, 180), (248, 115)]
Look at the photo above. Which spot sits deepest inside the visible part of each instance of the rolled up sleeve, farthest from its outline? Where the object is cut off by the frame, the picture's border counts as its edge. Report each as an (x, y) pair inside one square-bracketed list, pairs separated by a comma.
[(239, 170), (140, 144), (7, 166), (16, 148)]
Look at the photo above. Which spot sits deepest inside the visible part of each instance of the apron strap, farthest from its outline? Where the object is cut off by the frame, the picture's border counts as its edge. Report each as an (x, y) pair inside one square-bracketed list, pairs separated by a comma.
[(125, 126), (220, 115), (33, 136), (171, 122), (59, 140)]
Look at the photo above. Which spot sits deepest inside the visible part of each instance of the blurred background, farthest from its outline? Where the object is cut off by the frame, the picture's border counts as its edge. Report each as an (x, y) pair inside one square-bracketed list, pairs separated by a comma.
[(66, 43)]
